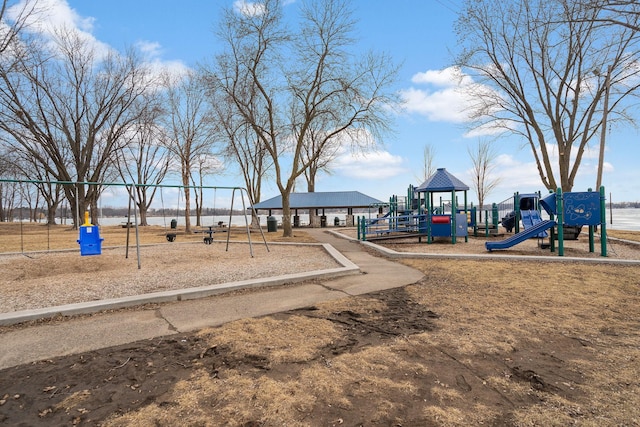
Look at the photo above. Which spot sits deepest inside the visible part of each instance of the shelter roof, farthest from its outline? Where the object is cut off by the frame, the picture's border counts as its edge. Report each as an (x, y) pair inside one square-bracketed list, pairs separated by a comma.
[(320, 200), (442, 181)]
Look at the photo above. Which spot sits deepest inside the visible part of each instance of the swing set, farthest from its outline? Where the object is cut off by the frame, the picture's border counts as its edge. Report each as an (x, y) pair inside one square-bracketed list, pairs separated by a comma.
[(171, 235), (95, 242)]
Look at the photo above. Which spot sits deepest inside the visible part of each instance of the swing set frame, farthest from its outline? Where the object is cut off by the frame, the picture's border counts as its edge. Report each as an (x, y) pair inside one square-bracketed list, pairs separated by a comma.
[(132, 199)]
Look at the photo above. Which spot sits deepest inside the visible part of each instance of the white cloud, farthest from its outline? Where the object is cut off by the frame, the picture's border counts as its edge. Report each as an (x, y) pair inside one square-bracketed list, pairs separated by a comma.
[(248, 8), (150, 49), (446, 96), (51, 16), (152, 54), (373, 165), (449, 77), (446, 105)]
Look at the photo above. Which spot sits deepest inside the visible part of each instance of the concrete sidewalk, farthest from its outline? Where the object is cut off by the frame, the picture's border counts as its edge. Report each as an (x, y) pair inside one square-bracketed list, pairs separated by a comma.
[(76, 335)]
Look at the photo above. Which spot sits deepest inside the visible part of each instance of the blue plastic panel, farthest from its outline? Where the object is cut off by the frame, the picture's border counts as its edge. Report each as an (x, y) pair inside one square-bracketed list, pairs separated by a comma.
[(582, 208)]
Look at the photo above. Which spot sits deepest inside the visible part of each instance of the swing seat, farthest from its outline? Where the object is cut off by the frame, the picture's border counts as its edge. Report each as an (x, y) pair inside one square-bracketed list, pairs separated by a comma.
[(171, 237), (208, 240)]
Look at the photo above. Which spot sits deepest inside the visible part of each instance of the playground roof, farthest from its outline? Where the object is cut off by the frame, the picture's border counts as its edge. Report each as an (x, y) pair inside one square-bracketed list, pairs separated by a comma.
[(442, 181), (321, 200)]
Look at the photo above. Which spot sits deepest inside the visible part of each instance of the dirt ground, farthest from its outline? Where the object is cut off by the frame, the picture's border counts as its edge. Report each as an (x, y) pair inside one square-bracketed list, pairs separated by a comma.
[(487, 342)]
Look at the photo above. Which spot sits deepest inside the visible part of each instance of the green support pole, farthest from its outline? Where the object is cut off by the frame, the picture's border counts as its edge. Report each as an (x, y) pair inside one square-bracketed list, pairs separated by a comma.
[(560, 209), (603, 223), (486, 223), (428, 200), (453, 217), (358, 226), (466, 218), (494, 216), (552, 236), (591, 240)]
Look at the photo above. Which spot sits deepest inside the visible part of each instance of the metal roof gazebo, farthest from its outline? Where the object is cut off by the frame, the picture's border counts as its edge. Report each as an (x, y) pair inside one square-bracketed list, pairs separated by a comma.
[(317, 201)]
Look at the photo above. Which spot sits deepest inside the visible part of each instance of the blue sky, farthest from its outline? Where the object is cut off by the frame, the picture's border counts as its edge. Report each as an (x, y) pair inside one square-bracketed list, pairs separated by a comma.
[(418, 34)]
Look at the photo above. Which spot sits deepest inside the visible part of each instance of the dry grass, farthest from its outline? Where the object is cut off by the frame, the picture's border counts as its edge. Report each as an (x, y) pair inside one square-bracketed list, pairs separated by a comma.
[(624, 234), (573, 325), (520, 343)]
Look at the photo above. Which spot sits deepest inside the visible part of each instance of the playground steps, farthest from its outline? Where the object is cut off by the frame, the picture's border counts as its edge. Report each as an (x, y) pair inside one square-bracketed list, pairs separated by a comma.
[(530, 218)]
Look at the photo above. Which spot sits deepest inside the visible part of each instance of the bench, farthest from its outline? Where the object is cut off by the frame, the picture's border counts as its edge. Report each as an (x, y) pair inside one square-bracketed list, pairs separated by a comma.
[(210, 230)]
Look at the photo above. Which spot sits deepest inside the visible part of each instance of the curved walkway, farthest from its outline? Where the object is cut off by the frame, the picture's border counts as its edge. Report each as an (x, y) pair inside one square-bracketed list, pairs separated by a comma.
[(75, 335)]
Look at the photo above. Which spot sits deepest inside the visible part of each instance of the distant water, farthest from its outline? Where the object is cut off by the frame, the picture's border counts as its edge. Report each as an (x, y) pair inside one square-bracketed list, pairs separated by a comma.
[(236, 220), (624, 219)]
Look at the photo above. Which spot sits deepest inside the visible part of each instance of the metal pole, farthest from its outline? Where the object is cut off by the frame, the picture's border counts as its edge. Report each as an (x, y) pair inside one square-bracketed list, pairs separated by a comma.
[(126, 251), (610, 209), (603, 131), (135, 218), (454, 228)]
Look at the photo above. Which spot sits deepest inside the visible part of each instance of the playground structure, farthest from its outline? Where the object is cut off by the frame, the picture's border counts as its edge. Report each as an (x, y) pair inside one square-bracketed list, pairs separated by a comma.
[(573, 209), (418, 215)]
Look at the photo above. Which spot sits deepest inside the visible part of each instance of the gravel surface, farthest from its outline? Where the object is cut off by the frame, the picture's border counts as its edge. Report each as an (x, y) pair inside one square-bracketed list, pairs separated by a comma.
[(57, 278)]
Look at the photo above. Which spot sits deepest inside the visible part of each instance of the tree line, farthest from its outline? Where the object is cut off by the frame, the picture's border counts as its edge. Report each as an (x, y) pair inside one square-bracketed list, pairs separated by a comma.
[(277, 101), (280, 98)]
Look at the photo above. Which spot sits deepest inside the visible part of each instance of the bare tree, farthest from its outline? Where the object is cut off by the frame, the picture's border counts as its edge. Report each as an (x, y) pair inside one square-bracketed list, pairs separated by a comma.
[(285, 85), (203, 165), (242, 145), (534, 62), (483, 158), (27, 167), (8, 171), (70, 109), (145, 159), (615, 12), (321, 162), (428, 159), (15, 18), (191, 129)]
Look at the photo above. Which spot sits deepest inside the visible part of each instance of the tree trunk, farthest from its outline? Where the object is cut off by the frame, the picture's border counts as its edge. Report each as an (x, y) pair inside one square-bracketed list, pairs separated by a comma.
[(187, 205), (143, 217), (286, 215), (51, 213)]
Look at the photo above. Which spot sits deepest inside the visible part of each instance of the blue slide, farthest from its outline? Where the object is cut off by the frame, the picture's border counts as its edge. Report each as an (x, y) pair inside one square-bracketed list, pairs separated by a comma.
[(375, 220), (521, 237), (530, 218)]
